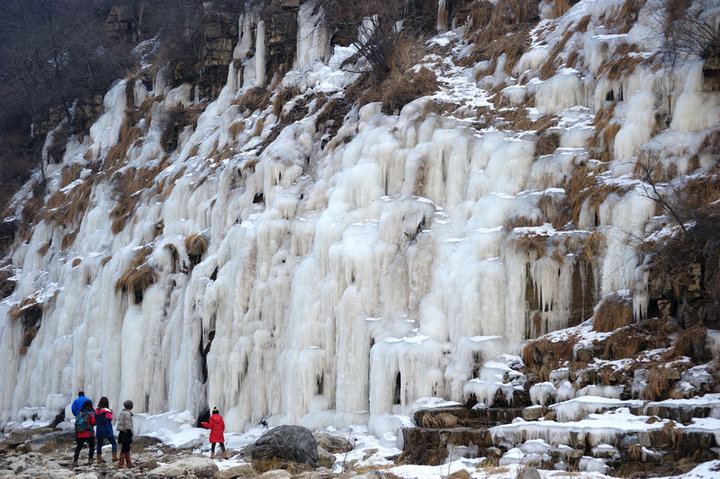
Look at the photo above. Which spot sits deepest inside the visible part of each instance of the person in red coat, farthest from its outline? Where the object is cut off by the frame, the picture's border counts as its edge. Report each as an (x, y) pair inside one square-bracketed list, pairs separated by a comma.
[(217, 427), (84, 431)]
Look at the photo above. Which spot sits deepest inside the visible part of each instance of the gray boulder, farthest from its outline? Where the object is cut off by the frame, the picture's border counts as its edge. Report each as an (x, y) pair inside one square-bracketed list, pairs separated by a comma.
[(285, 447), (325, 459)]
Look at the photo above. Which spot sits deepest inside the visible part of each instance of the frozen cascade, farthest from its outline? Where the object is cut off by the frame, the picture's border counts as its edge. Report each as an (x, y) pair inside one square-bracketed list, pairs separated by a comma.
[(339, 285)]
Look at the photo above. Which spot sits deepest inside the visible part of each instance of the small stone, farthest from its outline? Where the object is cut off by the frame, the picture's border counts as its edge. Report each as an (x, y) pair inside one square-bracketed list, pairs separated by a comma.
[(276, 474), (528, 473)]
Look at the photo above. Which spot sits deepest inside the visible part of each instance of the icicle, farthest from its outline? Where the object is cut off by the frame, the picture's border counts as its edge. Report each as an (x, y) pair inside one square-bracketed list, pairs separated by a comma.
[(260, 54), (442, 16)]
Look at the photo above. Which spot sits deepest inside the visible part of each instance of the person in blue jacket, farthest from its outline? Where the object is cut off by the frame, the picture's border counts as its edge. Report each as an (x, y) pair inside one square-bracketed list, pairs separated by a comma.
[(77, 403)]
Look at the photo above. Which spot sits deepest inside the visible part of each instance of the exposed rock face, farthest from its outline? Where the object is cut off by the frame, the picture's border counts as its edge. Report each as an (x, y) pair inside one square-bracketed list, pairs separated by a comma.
[(218, 43), (121, 24), (280, 35), (684, 280), (285, 447)]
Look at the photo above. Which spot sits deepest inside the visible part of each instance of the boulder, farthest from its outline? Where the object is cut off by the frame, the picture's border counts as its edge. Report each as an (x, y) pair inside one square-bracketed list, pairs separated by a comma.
[(234, 472), (325, 459), (528, 473), (333, 444), (285, 447), (276, 474), (195, 466)]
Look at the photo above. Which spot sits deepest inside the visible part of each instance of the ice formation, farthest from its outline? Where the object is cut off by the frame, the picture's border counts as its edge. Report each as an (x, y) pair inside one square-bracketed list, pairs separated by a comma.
[(339, 285)]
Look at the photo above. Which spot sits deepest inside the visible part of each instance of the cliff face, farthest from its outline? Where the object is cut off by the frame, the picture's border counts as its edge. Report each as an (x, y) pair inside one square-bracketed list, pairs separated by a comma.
[(250, 232)]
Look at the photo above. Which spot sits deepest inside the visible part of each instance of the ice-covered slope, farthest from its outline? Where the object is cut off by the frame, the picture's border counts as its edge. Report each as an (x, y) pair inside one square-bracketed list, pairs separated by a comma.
[(277, 264)]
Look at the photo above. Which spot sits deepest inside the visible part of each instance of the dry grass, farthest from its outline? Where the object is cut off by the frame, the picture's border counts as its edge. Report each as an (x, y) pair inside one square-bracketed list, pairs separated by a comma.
[(330, 118), (69, 238), (118, 153), (438, 421), (399, 88), (175, 120), (253, 99), (283, 96), (622, 63), (196, 245), (691, 342), (627, 16), (236, 128), (501, 29), (70, 173), (31, 209), (614, 312), (18, 310), (583, 186), (532, 243), (699, 192), (602, 120), (547, 143), (129, 185), (560, 7), (659, 382), (556, 210), (592, 246), (138, 276), (572, 59), (480, 13), (66, 209), (582, 24), (543, 355), (551, 64), (627, 342)]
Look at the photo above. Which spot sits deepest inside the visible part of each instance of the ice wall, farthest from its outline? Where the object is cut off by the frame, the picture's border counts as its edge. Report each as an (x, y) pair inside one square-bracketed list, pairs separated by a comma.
[(342, 281)]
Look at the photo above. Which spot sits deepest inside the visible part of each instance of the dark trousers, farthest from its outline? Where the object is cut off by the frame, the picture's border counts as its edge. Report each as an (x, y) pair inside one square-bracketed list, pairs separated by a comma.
[(212, 446), (110, 439), (125, 447), (80, 441)]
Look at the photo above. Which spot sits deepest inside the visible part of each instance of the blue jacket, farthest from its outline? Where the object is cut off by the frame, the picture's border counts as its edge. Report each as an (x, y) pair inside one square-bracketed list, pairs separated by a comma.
[(77, 404), (103, 418)]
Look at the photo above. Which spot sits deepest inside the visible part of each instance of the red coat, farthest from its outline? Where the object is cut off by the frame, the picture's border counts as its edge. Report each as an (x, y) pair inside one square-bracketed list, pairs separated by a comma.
[(216, 426)]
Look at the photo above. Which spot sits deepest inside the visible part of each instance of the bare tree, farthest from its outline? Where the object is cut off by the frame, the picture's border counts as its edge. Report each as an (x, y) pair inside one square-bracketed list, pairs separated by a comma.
[(376, 26)]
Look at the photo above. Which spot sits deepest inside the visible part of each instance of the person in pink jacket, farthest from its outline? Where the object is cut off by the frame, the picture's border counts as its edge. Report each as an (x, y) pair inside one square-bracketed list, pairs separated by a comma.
[(217, 427)]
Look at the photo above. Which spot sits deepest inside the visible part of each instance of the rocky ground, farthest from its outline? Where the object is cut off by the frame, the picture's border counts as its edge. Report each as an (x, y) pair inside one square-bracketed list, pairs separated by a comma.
[(47, 454)]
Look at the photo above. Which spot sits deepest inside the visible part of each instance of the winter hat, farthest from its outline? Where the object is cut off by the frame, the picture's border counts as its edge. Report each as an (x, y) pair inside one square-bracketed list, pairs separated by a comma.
[(128, 404), (215, 411)]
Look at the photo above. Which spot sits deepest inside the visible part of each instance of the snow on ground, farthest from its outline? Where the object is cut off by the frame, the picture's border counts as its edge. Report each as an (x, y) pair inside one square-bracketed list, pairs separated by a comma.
[(176, 430)]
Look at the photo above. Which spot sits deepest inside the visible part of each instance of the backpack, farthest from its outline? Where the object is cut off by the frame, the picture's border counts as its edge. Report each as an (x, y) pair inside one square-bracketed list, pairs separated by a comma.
[(82, 421)]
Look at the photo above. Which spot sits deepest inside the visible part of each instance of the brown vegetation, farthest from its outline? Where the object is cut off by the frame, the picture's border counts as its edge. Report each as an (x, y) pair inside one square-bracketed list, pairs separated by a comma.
[(253, 99), (196, 245), (615, 311), (592, 246), (282, 97), (622, 62), (138, 276), (177, 118), (544, 355), (66, 208), (501, 29), (552, 61), (129, 184)]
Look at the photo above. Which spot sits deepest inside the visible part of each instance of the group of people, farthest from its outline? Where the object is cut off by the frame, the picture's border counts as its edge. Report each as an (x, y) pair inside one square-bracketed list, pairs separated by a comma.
[(87, 418)]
